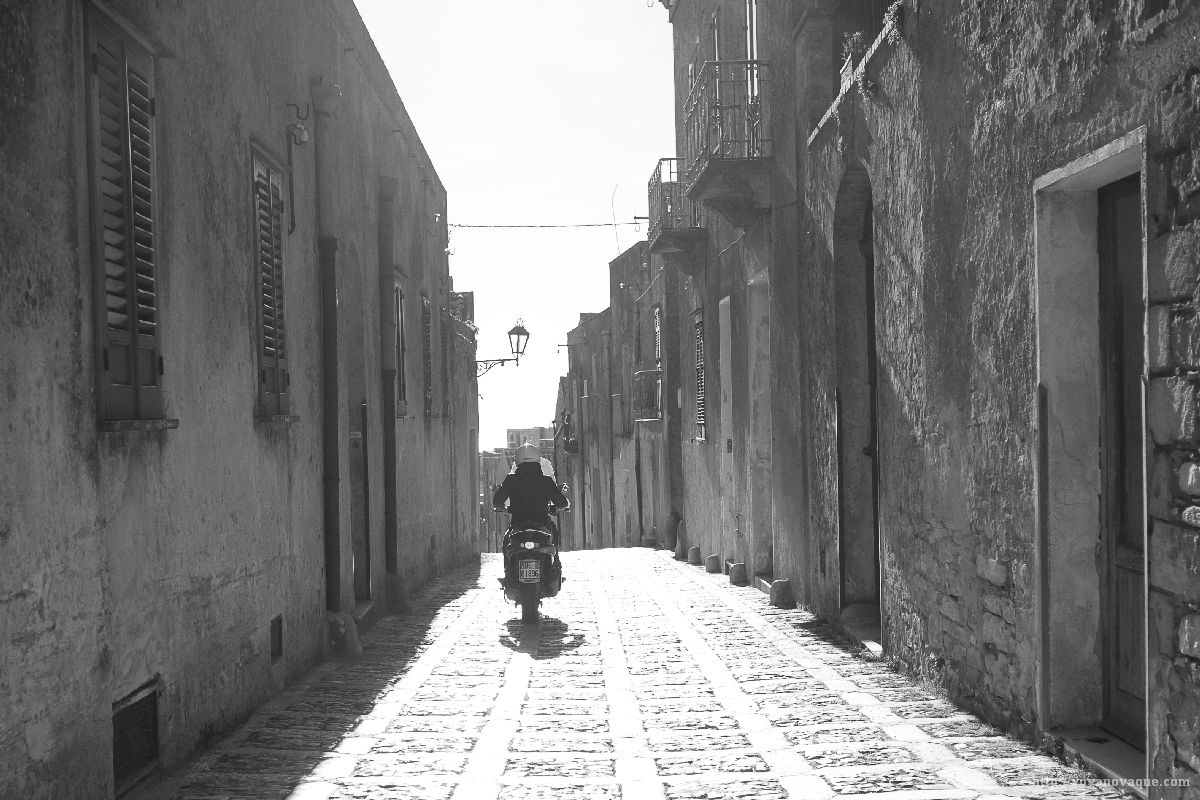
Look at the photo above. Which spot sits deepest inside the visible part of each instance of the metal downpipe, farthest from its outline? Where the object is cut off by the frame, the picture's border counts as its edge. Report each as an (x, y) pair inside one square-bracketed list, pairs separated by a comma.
[(325, 98)]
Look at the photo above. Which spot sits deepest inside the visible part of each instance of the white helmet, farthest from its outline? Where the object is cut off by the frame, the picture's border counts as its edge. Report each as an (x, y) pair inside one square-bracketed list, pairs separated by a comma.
[(528, 453)]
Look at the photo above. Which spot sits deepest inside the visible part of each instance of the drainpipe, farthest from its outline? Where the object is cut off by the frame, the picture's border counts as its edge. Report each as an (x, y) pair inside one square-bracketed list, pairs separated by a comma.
[(325, 98), (612, 440)]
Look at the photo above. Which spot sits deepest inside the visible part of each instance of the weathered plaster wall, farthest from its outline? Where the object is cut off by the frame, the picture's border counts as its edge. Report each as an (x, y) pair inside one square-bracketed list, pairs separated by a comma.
[(164, 555), (52, 675)]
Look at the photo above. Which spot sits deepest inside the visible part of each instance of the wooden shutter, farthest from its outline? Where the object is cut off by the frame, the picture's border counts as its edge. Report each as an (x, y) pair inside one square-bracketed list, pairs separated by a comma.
[(700, 408), (123, 223), (268, 263), (658, 336), (401, 349)]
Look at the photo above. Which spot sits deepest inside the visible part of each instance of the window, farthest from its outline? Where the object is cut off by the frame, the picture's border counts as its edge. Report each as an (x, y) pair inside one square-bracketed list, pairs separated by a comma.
[(401, 350), (427, 351), (714, 34), (751, 30), (647, 395), (273, 376), (125, 263), (700, 419), (444, 339), (752, 46)]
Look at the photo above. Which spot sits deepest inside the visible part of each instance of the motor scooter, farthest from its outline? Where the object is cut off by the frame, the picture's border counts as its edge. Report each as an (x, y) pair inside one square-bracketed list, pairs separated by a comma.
[(532, 569)]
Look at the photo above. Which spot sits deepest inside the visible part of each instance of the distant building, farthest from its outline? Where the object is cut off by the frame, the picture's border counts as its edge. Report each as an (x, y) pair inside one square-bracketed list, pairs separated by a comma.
[(619, 402), (519, 436)]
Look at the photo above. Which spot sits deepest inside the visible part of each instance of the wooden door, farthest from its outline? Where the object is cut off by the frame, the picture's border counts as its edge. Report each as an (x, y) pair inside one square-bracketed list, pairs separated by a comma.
[(1122, 315)]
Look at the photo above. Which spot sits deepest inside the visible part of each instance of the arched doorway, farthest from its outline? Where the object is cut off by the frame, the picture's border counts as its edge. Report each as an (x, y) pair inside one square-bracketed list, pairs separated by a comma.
[(856, 401)]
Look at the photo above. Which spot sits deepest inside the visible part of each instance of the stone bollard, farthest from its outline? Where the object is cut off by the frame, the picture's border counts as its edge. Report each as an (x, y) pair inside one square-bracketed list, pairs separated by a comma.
[(712, 563), (343, 634), (781, 593), (681, 548), (694, 556), (737, 574), (671, 525)]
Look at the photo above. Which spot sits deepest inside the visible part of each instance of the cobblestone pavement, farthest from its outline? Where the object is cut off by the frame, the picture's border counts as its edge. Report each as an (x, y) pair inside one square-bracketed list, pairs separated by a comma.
[(646, 678)]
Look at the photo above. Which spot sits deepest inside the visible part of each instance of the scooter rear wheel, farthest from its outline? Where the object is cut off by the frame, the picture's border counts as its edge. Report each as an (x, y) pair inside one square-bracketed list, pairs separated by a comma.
[(529, 603)]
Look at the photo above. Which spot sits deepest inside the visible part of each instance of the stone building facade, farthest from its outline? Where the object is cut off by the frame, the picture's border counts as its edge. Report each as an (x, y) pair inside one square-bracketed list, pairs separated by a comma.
[(233, 381), (938, 280), (620, 399)]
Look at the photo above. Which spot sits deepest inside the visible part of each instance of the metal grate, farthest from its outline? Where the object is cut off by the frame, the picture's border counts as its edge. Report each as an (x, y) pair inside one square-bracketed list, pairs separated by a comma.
[(135, 738), (277, 638)]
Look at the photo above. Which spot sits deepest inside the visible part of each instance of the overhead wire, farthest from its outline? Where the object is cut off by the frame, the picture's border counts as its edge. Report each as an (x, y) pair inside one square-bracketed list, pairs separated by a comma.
[(577, 225)]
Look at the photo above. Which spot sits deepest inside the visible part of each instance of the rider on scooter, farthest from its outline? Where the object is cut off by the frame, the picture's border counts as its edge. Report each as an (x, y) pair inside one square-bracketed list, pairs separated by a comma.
[(529, 493)]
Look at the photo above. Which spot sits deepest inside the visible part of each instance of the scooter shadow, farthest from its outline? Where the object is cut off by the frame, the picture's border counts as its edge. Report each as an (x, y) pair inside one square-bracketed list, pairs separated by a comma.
[(547, 638)]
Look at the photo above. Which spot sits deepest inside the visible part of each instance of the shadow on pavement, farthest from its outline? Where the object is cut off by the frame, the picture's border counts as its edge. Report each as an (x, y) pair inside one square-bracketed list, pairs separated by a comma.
[(546, 639), (286, 739)]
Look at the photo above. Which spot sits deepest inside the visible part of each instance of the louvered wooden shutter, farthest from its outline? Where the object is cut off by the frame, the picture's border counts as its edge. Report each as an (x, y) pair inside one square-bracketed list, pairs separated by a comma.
[(123, 223), (658, 336), (401, 349), (268, 228), (700, 409)]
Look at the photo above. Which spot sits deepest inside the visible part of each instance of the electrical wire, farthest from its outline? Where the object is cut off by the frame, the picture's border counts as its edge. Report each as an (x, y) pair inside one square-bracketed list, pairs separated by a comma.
[(579, 225)]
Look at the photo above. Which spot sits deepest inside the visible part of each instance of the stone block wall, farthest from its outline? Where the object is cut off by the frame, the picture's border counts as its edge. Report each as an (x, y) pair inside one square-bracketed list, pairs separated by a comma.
[(952, 141)]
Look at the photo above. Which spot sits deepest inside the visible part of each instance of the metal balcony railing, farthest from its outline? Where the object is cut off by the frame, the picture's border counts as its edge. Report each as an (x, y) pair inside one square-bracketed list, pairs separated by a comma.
[(670, 209), (724, 115)]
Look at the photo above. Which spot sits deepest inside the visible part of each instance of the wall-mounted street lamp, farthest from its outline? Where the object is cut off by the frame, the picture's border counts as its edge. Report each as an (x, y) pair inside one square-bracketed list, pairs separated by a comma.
[(518, 338)]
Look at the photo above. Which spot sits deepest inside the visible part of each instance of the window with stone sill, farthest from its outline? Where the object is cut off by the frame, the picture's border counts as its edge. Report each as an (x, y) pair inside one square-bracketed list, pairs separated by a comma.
[(427, 351), (401, 352), (274, 379), (122, 152)]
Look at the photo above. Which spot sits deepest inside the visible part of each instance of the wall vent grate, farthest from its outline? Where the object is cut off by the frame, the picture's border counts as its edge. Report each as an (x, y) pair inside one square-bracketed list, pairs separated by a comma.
[(135, 737), (277, 638)]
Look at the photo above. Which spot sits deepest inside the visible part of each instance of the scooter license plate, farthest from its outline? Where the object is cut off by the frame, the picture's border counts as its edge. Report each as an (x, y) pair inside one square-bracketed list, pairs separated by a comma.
[(529, 571)]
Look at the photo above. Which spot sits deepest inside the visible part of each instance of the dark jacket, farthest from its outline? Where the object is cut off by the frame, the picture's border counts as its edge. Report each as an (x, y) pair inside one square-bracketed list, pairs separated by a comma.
[(528, 492)]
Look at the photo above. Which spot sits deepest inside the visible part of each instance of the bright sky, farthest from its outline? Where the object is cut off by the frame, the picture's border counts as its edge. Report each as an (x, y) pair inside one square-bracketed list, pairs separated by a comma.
[(533, 112)]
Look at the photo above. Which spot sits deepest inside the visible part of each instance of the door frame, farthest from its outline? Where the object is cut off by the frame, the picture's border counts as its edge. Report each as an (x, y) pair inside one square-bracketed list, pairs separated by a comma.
[(1067, 474)]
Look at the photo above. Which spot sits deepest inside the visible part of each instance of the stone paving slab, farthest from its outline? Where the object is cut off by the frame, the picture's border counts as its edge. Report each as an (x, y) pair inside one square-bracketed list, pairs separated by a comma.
[(646, 679)]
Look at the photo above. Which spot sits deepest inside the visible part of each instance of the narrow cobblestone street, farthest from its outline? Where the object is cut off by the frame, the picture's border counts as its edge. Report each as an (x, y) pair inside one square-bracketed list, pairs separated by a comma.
[(646, 678)]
